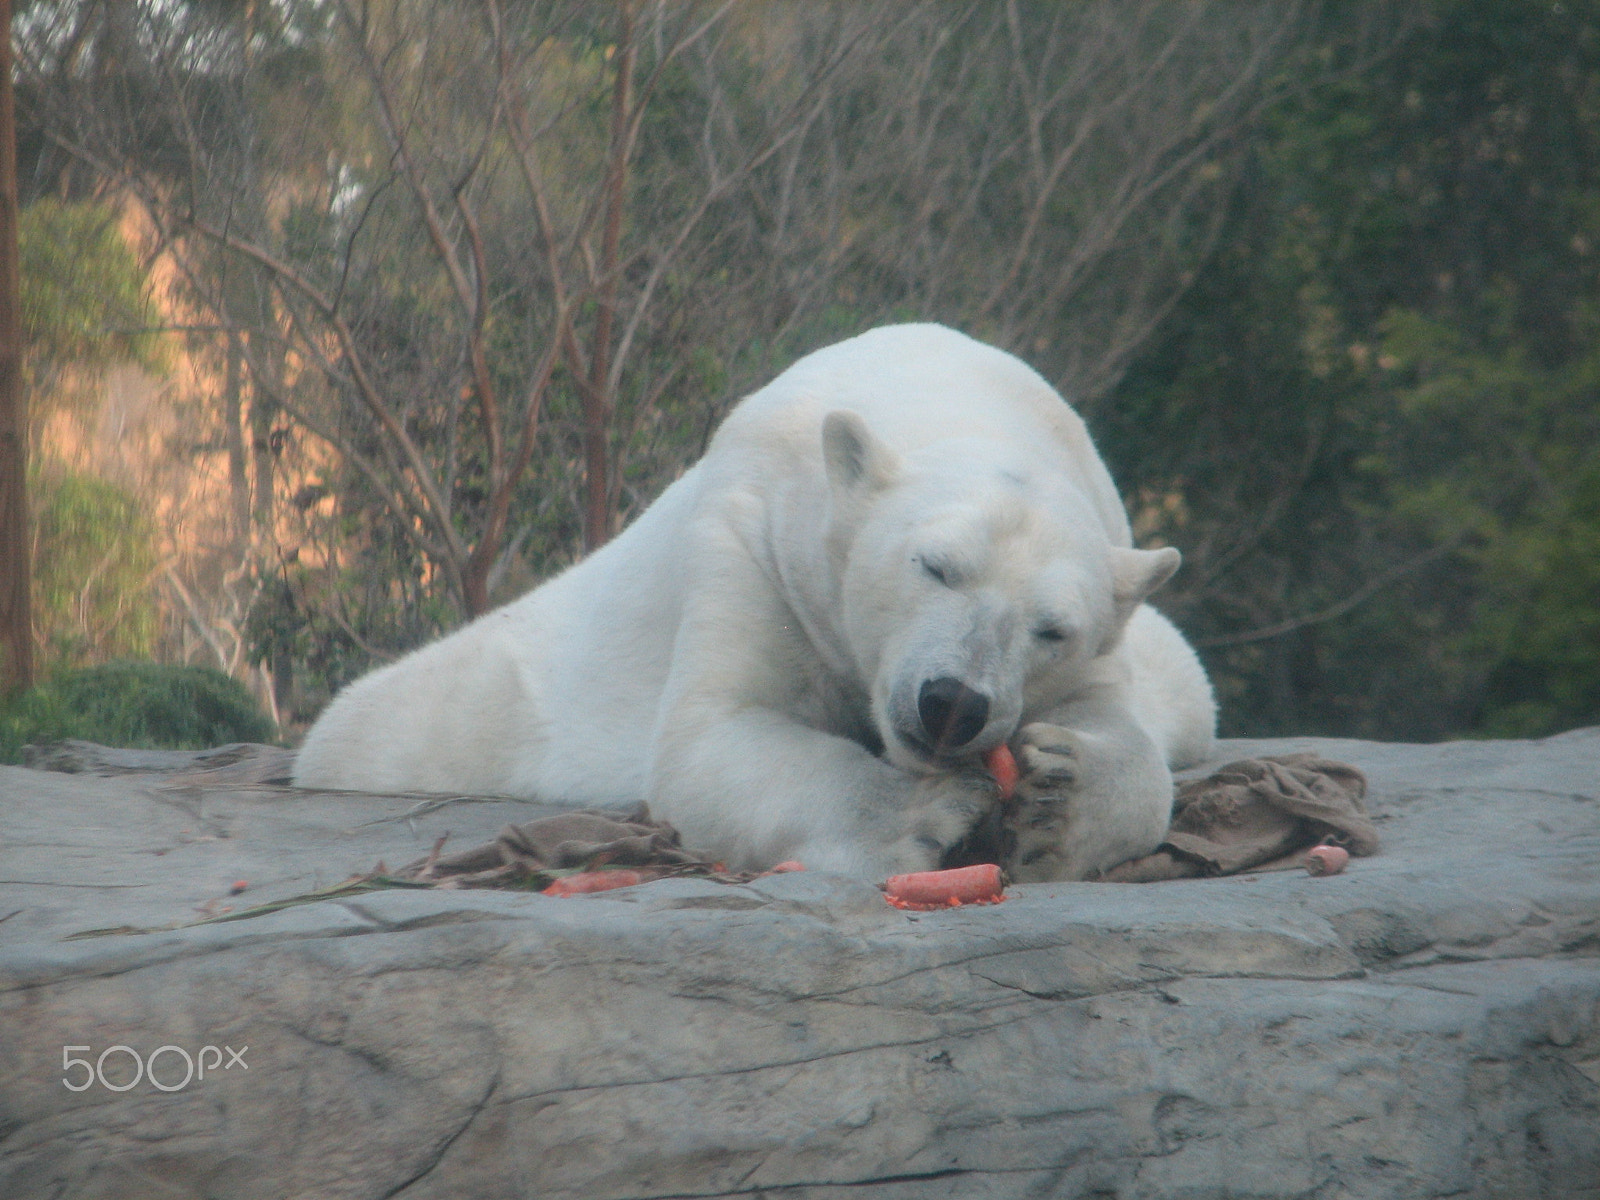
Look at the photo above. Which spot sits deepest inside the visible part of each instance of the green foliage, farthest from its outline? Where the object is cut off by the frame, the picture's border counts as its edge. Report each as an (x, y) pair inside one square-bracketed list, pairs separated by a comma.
[(1371, 423), (401, 213), (1515, 448), (1379, 402), (94, 554), (320, 628), (136, 704), (84, 308), (83, 289)]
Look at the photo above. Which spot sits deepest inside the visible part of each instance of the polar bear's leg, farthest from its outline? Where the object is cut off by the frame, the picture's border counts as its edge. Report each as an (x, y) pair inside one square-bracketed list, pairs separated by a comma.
[(803, 794), (745, 775), (1095, 791), (454, 716)]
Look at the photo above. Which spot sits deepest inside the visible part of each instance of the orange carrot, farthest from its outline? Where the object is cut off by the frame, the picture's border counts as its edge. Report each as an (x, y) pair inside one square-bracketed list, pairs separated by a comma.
[(980, 884), (785, 867), (592, 881), (1326, 859), (1002, 765)]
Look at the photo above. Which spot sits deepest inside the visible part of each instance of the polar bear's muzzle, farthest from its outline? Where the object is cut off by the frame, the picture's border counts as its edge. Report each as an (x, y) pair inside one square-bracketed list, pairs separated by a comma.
[(934, 723), (952, 714)]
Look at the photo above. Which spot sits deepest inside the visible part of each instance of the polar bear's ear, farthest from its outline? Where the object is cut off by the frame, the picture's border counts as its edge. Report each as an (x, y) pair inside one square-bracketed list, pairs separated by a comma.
[(855, 460), (1137, 573)]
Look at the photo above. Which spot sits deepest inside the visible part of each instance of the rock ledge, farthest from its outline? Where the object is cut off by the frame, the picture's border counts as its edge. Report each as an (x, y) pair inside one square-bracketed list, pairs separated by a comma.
[(1425, 1025)]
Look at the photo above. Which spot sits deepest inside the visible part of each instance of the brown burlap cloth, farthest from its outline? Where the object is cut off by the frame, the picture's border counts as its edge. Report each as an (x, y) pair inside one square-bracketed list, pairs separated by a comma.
[(1257, 814)]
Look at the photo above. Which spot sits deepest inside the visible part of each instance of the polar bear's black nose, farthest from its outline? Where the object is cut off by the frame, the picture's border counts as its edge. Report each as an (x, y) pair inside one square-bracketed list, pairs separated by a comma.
[(952, 713)]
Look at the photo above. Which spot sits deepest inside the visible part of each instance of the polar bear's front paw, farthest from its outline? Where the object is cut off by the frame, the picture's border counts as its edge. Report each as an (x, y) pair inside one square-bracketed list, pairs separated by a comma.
[(943, 811), (1085, 801), (1050, 762), (1038, 821)]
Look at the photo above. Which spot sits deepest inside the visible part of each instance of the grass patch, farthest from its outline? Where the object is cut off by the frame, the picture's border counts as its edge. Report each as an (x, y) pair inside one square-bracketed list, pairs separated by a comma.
[(142, 705)]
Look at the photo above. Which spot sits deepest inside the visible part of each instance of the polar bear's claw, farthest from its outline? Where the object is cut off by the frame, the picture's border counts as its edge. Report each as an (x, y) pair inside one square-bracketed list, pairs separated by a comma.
[(1048, 761), (1039, 819), (941, 814), (1085, 801), (946, 807)]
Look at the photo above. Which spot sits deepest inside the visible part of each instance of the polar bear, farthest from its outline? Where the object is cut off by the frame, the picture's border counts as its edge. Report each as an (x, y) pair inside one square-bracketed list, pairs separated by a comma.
[(901, 553)]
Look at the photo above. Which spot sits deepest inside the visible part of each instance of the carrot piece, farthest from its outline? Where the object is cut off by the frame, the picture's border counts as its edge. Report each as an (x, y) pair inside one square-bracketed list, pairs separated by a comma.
[(785, 867), (1002, 765), (980, 884), (592, 881), (1326, 859)]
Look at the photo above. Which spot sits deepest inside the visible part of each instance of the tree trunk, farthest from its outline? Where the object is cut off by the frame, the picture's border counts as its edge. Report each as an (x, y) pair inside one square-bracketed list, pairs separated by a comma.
[(598, 401), (261, 459), (238, 454), (16, 574)]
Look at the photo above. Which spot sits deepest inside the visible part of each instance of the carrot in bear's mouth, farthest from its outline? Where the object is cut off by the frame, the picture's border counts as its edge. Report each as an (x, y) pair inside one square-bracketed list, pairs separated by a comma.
[(1002, 765), (927, 890)]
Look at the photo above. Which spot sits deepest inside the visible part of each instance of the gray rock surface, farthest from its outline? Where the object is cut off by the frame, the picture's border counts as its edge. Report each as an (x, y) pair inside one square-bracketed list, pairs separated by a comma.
[(1425, 1025)]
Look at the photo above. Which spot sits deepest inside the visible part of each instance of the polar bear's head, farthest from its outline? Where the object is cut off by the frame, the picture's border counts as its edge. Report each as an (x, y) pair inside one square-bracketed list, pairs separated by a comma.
[(977, 584)]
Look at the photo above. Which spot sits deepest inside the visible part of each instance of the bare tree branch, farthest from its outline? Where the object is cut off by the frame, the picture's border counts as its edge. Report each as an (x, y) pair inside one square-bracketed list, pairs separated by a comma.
[(1363, 593)]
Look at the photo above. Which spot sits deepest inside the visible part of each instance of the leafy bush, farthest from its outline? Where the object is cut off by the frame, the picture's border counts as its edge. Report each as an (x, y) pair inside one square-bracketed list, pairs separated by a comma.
[(94, 556), (136, 704), (81, 283)]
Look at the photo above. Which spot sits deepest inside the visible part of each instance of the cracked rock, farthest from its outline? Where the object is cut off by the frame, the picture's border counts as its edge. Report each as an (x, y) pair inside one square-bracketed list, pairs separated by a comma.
[(1426, 1024)]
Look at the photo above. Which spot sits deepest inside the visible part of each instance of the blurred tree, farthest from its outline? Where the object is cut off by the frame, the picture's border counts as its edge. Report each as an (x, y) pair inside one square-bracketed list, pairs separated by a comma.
[(16, 618), (492, 271), (84, 294), (95, 561), (84, 308), (1373, 423)]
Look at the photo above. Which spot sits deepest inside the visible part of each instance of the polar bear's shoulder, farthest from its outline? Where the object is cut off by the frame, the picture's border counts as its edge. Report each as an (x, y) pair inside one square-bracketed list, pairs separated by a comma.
[(912, 383), (916, 384)]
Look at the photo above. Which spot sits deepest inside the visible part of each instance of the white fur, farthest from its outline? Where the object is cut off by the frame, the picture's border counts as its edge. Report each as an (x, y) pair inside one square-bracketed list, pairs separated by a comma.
[(749, 654)]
